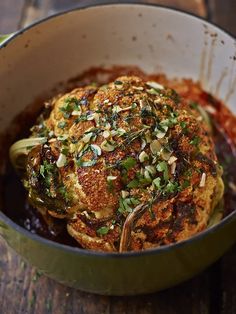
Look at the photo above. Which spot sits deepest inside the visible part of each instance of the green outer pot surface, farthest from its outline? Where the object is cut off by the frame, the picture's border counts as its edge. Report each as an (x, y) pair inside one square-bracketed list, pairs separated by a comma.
[(122, 274)]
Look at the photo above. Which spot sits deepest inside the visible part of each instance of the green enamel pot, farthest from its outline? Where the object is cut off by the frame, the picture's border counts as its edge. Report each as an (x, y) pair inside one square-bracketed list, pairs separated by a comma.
[(36, 59)]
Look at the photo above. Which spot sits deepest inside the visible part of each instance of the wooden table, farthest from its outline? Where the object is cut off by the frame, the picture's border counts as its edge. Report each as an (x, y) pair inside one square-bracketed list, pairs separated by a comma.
[(24, 290)]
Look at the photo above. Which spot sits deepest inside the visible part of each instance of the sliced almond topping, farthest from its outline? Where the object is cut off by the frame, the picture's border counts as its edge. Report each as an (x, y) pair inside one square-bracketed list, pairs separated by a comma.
[(124, 194), (61, 161), (52, 140), (111, 178), (155, 85), (172, 159), (173, 167), (155, 147), (138, 87), (210, 109), (106, 134), (143, 156), (165, 154), (203, 180)]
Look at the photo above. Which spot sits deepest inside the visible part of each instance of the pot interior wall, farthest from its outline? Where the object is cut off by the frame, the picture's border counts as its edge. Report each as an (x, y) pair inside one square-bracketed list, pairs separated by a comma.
[(153, 38)]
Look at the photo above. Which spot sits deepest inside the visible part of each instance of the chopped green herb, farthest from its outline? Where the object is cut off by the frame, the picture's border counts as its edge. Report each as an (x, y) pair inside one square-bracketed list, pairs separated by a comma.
[(62, 124), (65, 151), (74, 140), (126, 205), (42, 170), (171, 187), (153, 91), (103, 230), (110, 186), (83, 117), (151, 212), (188, 173), (68, 106), (193, 104), (128, 118), (157, 183), (183, 124), (62, 190), (133, 184), (129, 163), (174, 96), (184, 127), (143, 181), (195, 141), (185, 184), (118, 83), (146, 113), (46, 168), (163, 167)]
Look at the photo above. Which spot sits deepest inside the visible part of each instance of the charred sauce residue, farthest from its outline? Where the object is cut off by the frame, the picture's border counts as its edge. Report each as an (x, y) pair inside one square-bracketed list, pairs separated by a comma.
[(224, 134)]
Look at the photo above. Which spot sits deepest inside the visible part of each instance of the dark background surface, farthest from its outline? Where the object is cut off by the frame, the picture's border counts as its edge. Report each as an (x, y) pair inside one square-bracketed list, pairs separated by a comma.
[(24, 290)]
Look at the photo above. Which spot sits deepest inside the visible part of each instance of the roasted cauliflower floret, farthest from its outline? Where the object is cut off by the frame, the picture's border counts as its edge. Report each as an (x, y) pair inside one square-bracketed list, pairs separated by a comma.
[(130, 165)]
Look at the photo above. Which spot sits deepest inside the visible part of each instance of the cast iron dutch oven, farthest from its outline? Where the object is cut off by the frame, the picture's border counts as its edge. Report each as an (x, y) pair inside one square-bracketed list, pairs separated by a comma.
[(157, 39)]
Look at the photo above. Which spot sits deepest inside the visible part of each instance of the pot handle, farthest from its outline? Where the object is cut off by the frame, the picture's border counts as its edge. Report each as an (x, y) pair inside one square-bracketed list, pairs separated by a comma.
[(5, 37)]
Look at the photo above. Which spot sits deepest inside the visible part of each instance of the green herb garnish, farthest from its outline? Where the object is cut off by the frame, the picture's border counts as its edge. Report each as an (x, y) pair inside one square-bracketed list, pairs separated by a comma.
[(193, 104), (195, 141), (103, 230), (62, 190), (118, 83), (163, 167), (133, 184), (65, 151), (126, 205), (62, 124), (128, 163), (185, 184), (171, 187), (157, 183)]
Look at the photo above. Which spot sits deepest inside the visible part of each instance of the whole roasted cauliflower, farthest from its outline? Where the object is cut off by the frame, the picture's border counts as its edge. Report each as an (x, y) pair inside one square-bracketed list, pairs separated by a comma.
[(129, 165)]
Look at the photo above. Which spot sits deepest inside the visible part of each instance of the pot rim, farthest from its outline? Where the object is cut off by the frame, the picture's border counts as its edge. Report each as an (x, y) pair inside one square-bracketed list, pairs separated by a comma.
[(79, 251)]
